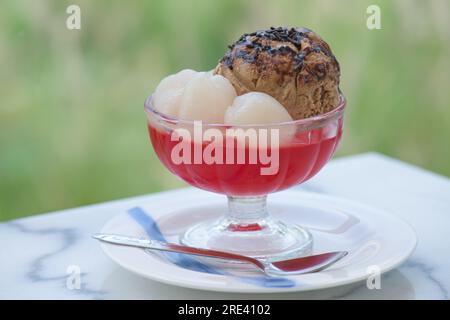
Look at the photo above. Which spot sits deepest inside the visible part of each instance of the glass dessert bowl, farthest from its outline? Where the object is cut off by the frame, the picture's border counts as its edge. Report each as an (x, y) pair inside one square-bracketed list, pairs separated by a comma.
[(234, 160)]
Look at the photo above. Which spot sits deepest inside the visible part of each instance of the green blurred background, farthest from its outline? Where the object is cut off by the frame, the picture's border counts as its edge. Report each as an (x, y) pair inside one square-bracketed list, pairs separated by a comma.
[(72, 128)]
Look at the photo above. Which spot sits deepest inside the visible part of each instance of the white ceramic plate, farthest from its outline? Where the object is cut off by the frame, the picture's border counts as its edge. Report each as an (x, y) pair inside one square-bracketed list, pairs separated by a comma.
[(376, 241)]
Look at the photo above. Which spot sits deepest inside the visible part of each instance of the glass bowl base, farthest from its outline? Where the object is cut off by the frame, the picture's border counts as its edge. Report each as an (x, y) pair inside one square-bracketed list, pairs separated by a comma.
[(267, 239)]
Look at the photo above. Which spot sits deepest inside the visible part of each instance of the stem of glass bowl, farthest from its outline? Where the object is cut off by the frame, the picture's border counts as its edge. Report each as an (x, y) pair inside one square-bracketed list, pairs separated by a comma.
[(244, 212), (247, 228)]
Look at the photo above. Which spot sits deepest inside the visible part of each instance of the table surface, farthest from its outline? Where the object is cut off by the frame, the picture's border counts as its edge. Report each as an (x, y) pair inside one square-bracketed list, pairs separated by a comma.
[(39, 253)]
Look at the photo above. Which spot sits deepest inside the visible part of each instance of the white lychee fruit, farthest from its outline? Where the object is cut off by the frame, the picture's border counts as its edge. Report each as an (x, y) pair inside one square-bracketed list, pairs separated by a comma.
[(206, 97), (168, 93), (256, 108)]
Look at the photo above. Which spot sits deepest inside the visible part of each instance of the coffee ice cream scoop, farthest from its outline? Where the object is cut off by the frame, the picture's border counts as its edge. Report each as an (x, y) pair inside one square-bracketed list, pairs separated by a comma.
[(295, 66)]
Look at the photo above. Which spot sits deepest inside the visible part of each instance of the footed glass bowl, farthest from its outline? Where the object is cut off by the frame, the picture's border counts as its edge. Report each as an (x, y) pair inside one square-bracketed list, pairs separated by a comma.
[(246, 163)]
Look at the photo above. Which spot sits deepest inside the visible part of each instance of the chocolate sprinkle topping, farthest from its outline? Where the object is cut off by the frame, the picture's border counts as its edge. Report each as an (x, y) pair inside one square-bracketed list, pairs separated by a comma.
[(249, 45)]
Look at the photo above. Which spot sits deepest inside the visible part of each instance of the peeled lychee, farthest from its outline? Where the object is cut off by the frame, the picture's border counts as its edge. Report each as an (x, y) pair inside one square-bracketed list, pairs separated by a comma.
[(167, 96), (256, 108), (206, 97)]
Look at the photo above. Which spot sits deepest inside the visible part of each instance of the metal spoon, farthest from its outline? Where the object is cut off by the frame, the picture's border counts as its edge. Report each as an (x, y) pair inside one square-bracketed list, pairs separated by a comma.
[(301, 265)]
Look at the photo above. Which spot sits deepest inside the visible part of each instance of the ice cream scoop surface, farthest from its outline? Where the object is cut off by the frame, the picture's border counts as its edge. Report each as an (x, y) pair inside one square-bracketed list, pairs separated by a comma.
[(295, 66)]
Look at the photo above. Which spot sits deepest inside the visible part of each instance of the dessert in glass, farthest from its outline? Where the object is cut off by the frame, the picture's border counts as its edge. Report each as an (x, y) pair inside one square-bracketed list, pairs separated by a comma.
[(268, 117)]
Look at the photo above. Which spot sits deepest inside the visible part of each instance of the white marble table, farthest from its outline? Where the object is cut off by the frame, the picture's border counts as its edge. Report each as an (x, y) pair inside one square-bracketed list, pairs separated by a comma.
[(36, 252)]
